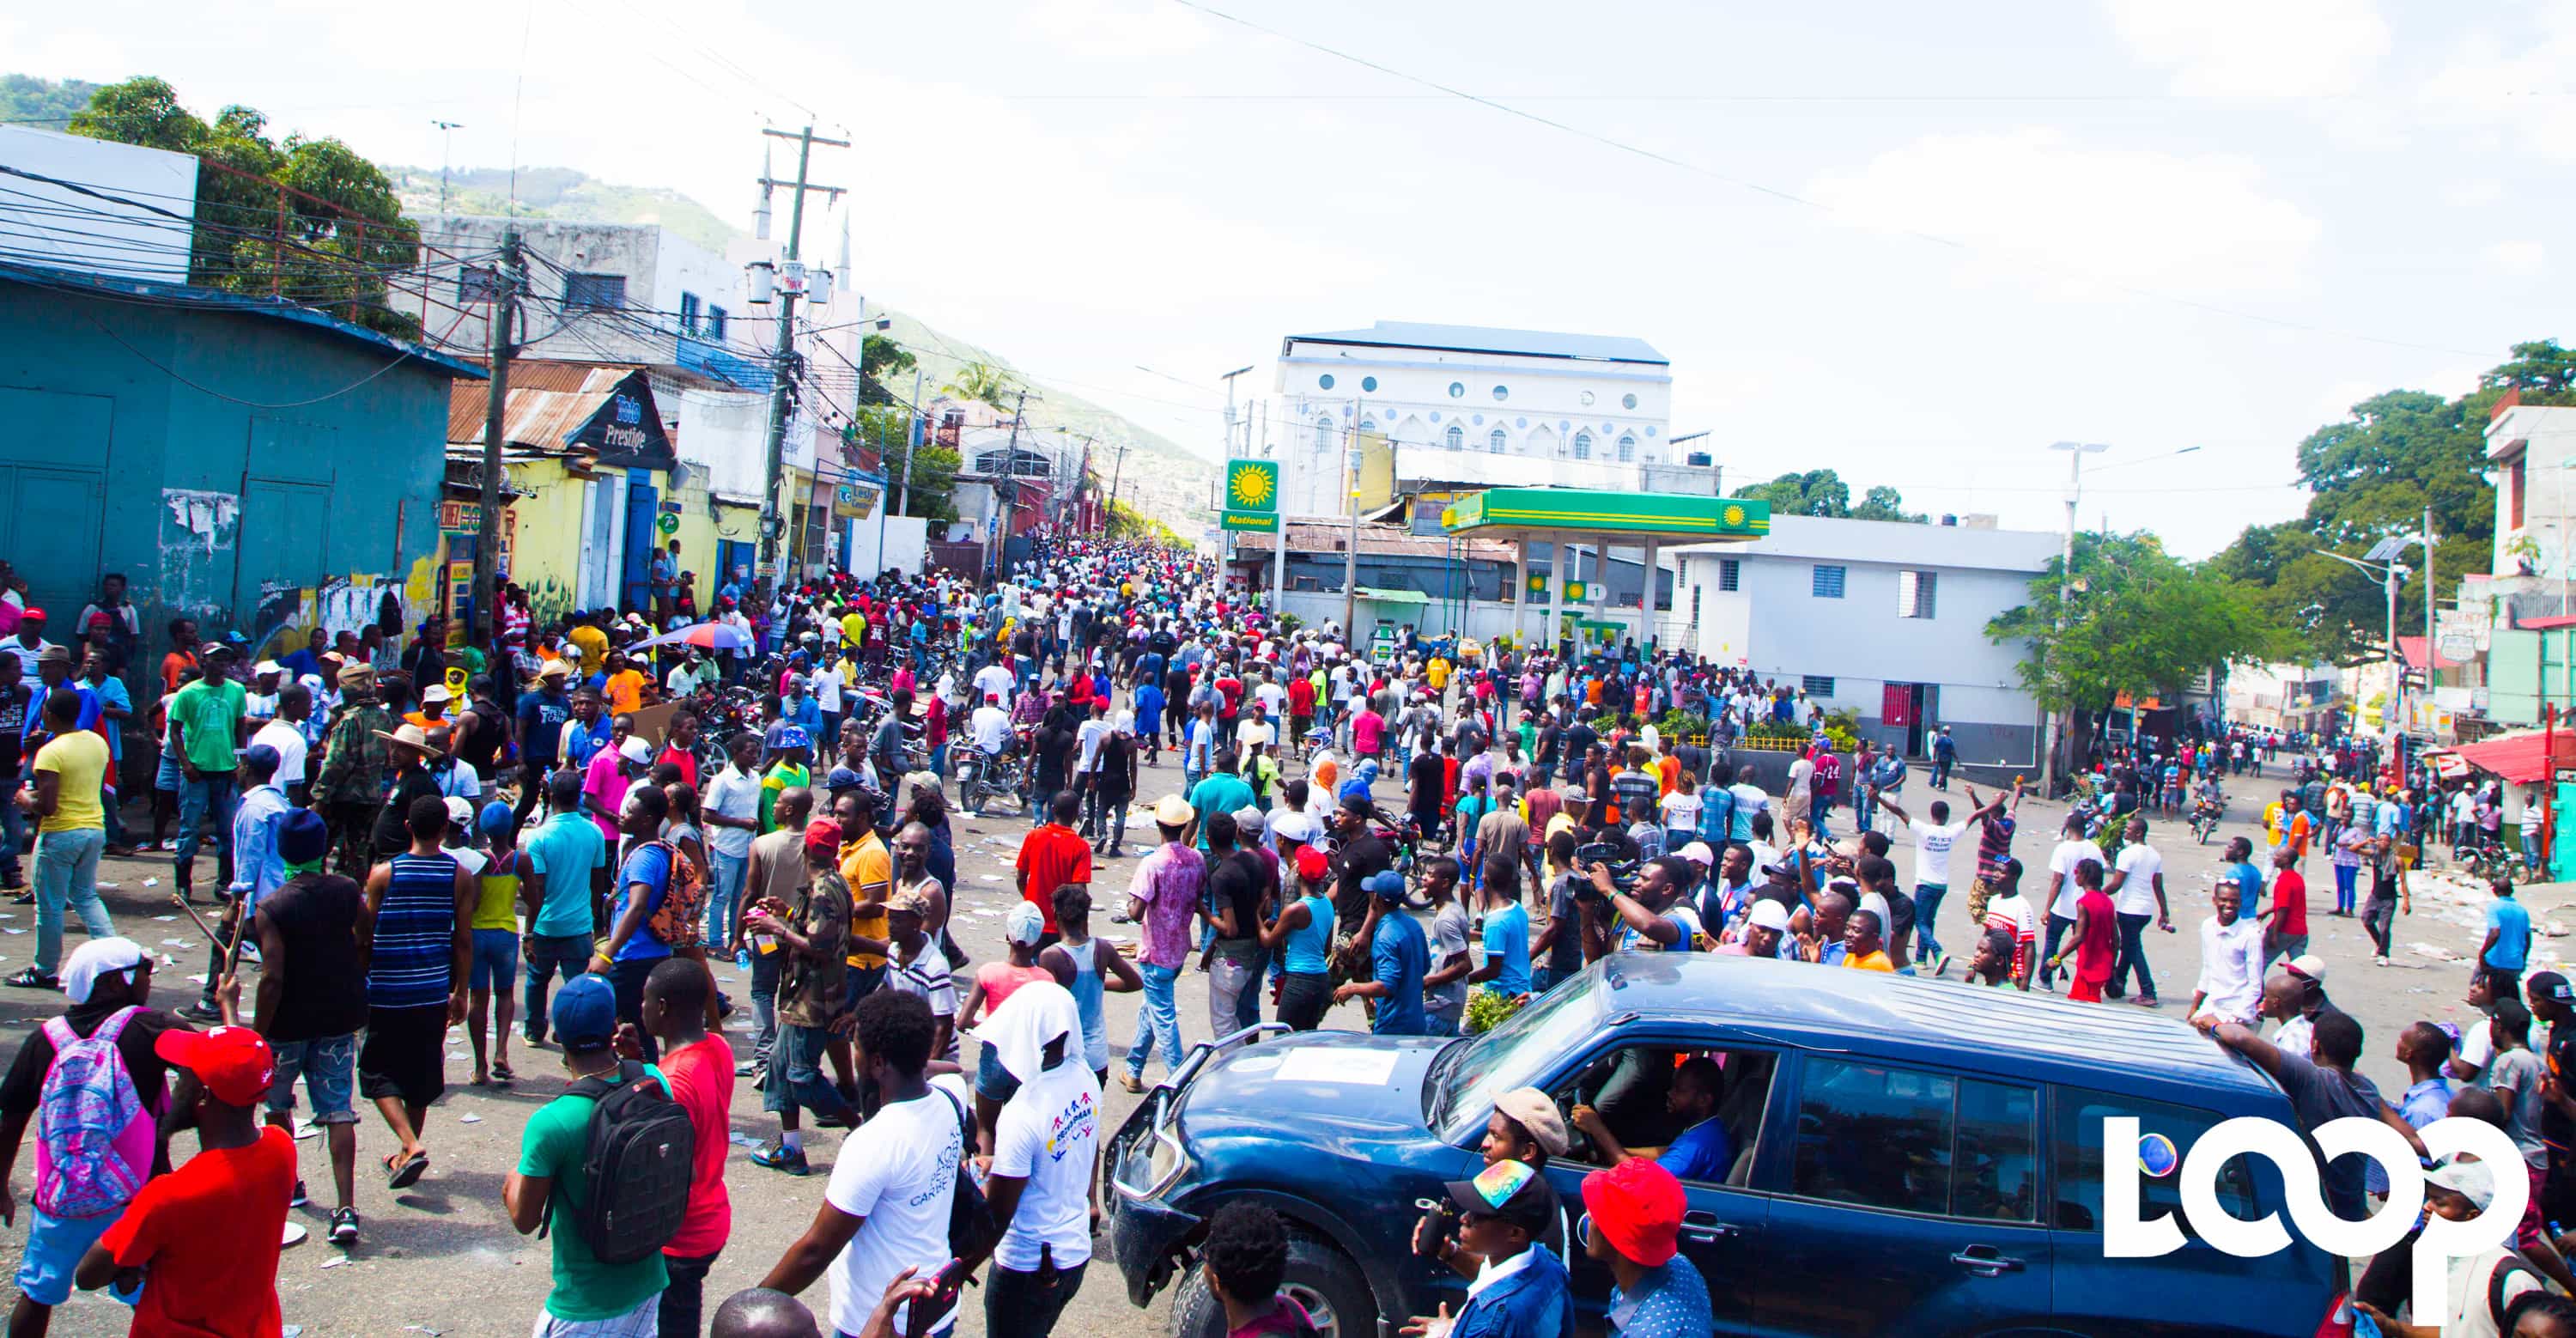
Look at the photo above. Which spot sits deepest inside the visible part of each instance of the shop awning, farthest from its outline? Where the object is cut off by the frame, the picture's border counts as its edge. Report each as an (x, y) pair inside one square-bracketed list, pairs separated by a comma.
[(1378, 596), (1502, 513), (2521, 759)]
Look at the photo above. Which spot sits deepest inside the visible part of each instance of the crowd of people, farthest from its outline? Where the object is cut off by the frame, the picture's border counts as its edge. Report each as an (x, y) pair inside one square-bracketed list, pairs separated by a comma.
[(547, 831)]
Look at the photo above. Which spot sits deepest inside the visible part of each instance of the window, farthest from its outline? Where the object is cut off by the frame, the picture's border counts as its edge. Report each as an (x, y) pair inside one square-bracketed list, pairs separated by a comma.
[(1501, 393), (477, 283), (1694, 604), (1323, 434), (594, 292), (1918, 1142), (1829, 582), (1456, 438), (1457, 389), (2076, 1131), (689, 308), (1368, 383), (1582, 445), (1368, 425), (715, 322), (1628, 401), (1325, 381), (1627, 448), (2515, 477), (1816, 685), (1495, 440), (1629, 1086), (1914, 591), (1730, 573)]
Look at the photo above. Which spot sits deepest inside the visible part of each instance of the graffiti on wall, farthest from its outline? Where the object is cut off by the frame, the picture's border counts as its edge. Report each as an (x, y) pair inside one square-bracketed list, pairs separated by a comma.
[(288, 614), (549, 600)]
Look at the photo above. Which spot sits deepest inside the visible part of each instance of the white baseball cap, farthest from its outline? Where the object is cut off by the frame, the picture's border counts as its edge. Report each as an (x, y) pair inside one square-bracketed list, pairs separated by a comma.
[(98, 957), (1769, 914)]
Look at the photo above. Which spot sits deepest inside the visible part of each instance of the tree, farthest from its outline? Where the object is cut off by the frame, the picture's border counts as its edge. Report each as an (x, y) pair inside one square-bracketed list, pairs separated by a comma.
[(2139, 621), (1822, 492), (879, 358), (313, 222), (929, 487), (982, 381)]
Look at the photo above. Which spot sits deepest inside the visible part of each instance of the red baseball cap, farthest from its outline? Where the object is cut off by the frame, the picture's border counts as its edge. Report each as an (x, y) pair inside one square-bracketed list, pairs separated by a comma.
[(233, 1062), (35, 613), (823, 834), (1312, 864), (1637, 1206)]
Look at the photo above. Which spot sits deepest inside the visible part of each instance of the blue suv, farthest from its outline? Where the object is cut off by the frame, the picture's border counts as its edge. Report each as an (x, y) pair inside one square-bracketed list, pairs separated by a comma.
[(1911, 1156)]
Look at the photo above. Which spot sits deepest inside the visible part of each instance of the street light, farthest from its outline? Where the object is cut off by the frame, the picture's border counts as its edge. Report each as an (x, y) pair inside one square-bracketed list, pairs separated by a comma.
[(2381, 564), (2075, 453)]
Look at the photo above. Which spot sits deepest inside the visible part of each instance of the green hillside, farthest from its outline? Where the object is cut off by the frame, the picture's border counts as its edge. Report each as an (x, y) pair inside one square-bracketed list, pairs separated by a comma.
[(561, 193), (43, 103)]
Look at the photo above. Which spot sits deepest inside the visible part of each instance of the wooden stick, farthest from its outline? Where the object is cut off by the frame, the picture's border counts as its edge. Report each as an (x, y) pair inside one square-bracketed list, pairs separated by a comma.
[(209, 930)]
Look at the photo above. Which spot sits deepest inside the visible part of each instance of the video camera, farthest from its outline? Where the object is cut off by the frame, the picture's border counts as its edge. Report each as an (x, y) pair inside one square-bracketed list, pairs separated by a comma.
[(1623, 873)]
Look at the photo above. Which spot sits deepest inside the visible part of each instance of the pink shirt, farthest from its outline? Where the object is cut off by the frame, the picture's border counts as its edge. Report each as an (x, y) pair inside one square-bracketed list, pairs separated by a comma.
[(1368, 733), (606, 784)]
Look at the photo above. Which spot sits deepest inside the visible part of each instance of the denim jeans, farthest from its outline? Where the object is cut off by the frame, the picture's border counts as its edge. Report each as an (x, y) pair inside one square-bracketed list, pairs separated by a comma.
[(1158, 1019), (210, 796), (1235, 973), (550, 955), (1940, 774), (764, 1004), (2345, 876), (2133, 951), (1015, 1306), (67, 879), (724, 886), (1864, 809), (2057, 927), (1819, 809), (1927, 908), (2378, 917)]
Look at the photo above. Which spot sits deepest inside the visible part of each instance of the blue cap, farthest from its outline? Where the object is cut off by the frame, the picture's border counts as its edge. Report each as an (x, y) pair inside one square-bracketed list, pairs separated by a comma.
[(793, 736), (302, 836), (843, 778), (260, 757), (584, 1013), (495, 818), (1385, 883)]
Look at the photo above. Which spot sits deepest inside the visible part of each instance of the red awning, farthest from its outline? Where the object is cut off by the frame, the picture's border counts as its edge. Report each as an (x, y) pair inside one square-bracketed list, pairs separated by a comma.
[(2412, 649), (2548, 624), (2519, 758)]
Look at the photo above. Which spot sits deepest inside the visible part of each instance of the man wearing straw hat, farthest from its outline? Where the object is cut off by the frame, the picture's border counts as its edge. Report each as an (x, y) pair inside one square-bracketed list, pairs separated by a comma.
[(407, 754)]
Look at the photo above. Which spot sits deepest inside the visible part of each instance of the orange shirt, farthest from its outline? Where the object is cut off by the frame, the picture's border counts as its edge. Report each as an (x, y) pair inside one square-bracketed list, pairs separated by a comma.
[(1670, 768)]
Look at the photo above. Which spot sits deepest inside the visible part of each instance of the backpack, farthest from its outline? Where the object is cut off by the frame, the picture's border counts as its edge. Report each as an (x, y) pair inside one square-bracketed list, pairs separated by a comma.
[(641, 1153), (87, 1102), (972, 1232), (2511, 1263), (679, 921)]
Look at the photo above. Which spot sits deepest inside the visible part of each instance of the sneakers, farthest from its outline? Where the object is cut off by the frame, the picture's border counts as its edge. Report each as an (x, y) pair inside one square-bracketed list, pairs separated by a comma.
[(780, 1157), (33, 979), (344, 1226), (2379, 961), (199, 1012), (297, 1199)]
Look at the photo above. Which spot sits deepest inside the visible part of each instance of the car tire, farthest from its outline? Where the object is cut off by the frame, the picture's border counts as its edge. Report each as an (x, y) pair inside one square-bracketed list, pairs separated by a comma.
[(1316, 1272)]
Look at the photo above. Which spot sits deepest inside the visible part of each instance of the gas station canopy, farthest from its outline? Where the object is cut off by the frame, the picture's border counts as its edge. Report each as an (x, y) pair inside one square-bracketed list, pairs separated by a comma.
[(1583, 515)]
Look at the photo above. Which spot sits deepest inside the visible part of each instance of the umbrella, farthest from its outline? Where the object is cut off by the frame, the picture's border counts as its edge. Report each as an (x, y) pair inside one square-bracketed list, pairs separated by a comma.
[(705, 636)]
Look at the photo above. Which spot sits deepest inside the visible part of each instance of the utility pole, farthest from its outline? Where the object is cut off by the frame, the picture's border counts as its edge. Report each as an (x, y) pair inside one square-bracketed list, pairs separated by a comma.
[(1116, 469), (446, 137), (496, 397), (911, 444), (773, 508), (2057, 734), (1010, 480), (1351, 545)]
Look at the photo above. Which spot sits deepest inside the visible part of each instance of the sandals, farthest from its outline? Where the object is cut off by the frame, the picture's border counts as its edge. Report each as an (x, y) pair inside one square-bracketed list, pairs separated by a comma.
[(408, 1173), (501, 1073)]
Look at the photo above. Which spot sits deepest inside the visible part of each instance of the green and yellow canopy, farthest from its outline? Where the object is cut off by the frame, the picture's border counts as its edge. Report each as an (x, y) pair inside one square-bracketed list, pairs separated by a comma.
[(1504, 513)]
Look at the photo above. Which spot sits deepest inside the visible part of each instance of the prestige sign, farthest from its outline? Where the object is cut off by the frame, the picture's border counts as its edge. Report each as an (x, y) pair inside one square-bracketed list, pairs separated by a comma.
[(2125, 1236)]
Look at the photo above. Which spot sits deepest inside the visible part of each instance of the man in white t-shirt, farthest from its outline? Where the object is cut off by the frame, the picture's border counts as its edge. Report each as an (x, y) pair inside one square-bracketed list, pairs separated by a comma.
[(995, 680), (1933, 842), (886, 1208), (2073, 848), (825, 684), (285, 733), (2008, 910), (2137, 891), (1045, 1142)]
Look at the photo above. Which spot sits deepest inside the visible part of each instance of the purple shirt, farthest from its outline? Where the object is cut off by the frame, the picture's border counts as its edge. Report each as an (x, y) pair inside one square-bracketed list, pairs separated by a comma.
[(1168, 881)]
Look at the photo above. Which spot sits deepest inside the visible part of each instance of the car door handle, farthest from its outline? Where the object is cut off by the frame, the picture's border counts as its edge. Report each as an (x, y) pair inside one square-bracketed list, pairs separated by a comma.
[(1985, 1263), (1704, 1226)]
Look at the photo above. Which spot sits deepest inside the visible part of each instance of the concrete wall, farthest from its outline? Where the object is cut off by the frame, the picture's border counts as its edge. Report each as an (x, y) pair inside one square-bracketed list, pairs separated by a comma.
[(266, 521), (904, 545)]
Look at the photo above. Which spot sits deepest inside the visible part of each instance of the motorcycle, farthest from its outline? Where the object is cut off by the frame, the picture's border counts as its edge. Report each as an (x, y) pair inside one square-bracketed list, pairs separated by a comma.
[(2204, 819), (982, 778)]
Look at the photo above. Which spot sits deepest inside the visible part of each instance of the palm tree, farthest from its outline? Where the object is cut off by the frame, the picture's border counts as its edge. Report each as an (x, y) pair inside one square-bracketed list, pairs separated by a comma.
[(980, 381)]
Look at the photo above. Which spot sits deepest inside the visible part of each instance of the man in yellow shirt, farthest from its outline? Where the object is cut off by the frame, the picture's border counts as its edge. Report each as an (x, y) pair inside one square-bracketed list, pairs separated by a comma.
[(593, 642), (71, 830), (1437, 673), (854, 630), (868, 867)]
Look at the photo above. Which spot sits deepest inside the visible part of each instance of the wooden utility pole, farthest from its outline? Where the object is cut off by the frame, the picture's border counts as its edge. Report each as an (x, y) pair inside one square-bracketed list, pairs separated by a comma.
[(496, 405), (782, 362)]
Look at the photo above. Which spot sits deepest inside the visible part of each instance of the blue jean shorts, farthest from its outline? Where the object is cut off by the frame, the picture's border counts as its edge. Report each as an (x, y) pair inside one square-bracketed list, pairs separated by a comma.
[(54, 1249), (993, 1082), (329, 1067), (496, 960), (169, 776)]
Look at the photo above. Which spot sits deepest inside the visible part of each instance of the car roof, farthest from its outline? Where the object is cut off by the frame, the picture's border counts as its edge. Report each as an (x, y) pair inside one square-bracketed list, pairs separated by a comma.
[(2035, 1035)]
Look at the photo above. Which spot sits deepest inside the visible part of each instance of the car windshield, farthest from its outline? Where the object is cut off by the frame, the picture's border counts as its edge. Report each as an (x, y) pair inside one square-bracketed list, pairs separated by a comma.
[(1468, 1077)]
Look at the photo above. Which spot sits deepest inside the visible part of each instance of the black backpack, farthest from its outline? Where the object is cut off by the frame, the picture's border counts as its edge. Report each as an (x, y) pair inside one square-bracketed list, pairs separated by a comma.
[(642, 1151)]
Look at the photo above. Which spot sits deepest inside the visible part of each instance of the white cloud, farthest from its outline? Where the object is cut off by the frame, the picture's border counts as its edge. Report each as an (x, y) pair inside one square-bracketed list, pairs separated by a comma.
[(2512, 87), (2473, 193), (2261, 49), (1131, 30), (2520, 257), (2199, 225)]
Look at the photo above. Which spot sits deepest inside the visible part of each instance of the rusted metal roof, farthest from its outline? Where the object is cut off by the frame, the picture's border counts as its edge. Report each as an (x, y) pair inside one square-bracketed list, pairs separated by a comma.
[(549, 401)]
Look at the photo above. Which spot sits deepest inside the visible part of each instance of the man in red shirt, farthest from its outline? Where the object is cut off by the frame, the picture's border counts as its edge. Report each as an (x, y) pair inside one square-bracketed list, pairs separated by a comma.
[(1301, 711), (205, 1237), (1053, 856), (2285, 927), (698, 1065)]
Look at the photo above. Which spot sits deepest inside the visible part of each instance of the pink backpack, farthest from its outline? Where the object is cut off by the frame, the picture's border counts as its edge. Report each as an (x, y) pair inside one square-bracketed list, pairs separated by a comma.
[(87, 1122)]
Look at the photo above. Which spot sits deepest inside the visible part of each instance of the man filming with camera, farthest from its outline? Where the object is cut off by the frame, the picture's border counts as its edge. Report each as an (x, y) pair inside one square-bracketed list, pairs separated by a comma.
[(1653, 916)]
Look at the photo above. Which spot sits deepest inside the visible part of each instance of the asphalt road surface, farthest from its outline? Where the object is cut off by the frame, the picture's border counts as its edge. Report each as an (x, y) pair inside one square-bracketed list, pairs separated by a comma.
[(441, 1259)]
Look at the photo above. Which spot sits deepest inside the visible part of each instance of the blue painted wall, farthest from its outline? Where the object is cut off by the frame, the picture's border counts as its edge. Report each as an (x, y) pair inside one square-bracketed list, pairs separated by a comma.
[(251, 471)]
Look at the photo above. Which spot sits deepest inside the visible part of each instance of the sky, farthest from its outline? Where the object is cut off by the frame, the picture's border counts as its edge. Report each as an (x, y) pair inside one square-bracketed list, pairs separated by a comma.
[(1915, 244)]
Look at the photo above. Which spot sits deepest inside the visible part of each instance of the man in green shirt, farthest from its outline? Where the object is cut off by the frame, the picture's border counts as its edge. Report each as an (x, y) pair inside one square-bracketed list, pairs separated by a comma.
[(206, 732), (1222, 791), (551, 1184)]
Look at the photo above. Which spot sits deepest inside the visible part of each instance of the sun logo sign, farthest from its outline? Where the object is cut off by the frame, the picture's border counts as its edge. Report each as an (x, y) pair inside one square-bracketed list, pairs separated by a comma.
[(1252, 485)]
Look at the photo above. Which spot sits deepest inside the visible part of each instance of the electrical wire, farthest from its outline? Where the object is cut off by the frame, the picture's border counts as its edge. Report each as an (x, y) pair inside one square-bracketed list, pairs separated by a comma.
[(409, 352)]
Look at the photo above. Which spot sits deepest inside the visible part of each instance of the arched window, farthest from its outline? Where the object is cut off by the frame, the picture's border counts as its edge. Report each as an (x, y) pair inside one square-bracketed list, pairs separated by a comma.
[(1627, 448), (1368, 425), (1583, 445), (1494, 441), (1456, 438), (1323, 434)]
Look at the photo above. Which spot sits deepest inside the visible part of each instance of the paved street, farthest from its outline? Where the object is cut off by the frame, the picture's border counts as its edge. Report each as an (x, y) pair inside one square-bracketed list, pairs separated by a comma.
[(441, 1258)]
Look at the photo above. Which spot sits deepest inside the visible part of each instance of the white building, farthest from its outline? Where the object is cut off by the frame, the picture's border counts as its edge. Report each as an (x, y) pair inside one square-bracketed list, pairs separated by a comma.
[(1885, 619), (1467, 405), (97, 206)]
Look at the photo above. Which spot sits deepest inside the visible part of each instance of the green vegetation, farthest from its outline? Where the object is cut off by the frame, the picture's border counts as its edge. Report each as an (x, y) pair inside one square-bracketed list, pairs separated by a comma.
[(559, 193), (1822, 492), (42, 103), (2140, 621)]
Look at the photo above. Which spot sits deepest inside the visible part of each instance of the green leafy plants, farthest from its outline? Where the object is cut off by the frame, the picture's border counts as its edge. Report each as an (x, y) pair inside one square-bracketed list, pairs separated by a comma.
[(1487, 1010)]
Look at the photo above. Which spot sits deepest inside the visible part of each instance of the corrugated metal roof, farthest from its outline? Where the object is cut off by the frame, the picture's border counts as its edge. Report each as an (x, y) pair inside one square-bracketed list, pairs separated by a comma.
[(543, 411), (1487, 339)]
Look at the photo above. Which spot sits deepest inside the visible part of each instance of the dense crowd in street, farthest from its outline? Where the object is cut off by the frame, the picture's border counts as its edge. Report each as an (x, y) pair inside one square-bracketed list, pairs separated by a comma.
[(551, 834)]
